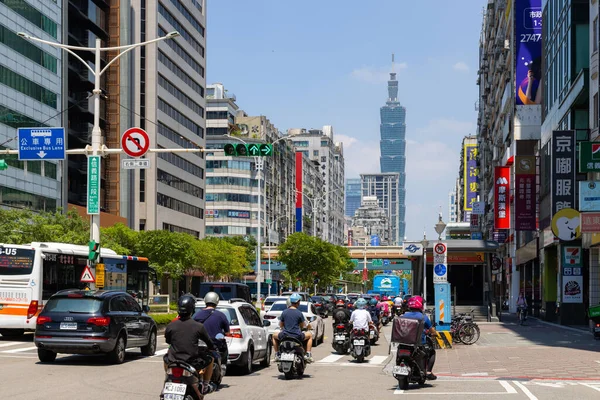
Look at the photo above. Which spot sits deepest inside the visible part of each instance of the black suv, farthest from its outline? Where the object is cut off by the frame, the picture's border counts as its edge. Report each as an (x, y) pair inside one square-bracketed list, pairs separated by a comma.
[(93, 322)]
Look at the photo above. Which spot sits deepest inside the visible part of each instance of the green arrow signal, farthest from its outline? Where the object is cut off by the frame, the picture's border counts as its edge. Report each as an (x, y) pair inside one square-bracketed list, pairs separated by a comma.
[(254, 150), (266, 149)]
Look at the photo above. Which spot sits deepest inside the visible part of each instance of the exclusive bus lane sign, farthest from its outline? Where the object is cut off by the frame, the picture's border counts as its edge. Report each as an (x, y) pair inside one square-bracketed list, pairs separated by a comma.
[(87, 276)]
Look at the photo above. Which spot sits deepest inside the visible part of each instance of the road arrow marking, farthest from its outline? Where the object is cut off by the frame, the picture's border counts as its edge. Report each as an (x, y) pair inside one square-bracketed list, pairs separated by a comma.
[(42, 154)]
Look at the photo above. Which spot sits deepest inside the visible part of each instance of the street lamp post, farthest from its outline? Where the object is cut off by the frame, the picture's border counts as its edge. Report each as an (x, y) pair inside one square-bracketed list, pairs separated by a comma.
[(425, 244), (97, 73), (269, 239), (314, 204)]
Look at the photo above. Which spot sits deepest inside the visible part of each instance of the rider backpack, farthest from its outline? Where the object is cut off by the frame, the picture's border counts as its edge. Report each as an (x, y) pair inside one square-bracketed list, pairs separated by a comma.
[(407, 331)]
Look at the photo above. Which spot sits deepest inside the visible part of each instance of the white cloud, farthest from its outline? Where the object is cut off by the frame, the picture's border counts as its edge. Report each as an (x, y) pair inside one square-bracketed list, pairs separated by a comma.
[(375, 74), (461, 67), (360, 157)]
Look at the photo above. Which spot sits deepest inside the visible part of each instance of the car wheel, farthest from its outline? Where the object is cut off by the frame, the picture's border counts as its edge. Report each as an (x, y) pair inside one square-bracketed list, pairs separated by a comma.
[(12, 332), (117, 355), (46, 356), (249, 358), (267, 360), (150, 348)]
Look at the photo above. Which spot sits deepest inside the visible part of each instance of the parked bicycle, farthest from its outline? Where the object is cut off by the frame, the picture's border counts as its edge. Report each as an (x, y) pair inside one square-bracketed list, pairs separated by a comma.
[(464, 330)]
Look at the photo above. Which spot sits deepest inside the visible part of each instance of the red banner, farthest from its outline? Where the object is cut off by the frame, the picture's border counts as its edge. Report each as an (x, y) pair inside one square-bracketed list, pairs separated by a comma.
[(525, 204), (502, 197)]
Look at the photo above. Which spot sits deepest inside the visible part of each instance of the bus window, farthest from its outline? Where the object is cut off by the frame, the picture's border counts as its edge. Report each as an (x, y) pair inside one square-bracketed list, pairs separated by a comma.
[(61, 272), (16, 261)]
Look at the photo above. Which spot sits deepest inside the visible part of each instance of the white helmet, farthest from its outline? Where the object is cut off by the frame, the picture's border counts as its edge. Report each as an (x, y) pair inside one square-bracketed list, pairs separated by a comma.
[(398, 301)]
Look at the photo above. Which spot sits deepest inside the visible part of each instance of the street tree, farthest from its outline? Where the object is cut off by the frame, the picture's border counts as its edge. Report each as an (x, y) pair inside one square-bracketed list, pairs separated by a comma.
[(120, 238)]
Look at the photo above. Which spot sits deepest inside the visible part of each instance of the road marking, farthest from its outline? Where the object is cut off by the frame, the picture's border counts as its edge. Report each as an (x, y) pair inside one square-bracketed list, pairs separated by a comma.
[(596, 386), (161, 352), (476, 374), (525, 390), (20, 350), (509, 389), (377, 359), (331, 359), (9, 344), (398, 391)]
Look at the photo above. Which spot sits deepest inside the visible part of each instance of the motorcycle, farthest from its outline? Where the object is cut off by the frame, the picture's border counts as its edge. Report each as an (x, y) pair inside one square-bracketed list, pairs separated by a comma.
[(410, 365), (220, 367), (373, 335), (291, 362), (341, 339), (181, 382), (360, 344), (594, 314), (385, 319)]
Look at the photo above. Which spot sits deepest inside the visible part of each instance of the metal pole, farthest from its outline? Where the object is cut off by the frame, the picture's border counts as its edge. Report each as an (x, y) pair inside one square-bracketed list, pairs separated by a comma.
[(425, 274), (270, 279), (258, 255), (96, 137), (315, 218)]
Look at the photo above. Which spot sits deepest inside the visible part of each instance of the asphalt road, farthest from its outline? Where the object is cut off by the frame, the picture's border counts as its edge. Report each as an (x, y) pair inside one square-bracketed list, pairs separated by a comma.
[(331, 376)]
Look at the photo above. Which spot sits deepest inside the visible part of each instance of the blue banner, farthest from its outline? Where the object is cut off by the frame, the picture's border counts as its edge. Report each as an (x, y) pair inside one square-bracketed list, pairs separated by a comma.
[(528, 37)]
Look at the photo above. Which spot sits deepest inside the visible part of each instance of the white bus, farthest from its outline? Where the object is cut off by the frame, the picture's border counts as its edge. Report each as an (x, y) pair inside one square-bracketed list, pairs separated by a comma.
[(30, 274)]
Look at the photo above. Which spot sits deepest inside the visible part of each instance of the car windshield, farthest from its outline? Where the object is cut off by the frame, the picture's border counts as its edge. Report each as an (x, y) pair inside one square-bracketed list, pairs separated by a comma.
[(317, 299), (282, 306), (73, 305), (271, 300)]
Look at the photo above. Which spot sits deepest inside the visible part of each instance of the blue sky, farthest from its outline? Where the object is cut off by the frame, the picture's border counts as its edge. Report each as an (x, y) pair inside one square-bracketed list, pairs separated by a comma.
[(305, 64)]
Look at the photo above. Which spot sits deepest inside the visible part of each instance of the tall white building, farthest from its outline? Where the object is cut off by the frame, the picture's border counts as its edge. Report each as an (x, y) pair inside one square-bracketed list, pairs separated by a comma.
[(386, 187), (452, 215), (170, 105), (30, 96), (319, 146)]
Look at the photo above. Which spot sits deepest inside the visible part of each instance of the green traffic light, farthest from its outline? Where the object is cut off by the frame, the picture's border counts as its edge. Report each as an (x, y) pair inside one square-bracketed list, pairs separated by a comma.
[(3, 165), (229, 149), (94, 250), (241, 150), (266, 150)]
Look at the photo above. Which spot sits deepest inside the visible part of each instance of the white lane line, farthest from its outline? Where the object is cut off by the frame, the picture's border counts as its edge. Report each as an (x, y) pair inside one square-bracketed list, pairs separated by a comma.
[(591, 386), (331, 359), (509, 389), (9, 344), (525, 390), (398, 391), (160, 353), (377, 360), (476, 374), (19, 350)]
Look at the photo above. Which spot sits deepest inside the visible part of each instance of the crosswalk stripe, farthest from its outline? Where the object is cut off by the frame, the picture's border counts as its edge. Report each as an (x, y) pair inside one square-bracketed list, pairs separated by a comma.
[(19, 350), (160, 353), (331, 359), (7, 344), (377, 359)]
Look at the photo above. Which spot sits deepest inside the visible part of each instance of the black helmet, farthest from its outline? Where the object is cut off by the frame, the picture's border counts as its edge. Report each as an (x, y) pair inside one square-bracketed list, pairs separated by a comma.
[(186, 306)]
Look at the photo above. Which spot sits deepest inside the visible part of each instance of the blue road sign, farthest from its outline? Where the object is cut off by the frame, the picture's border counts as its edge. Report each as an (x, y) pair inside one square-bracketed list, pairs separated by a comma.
[(386, 262), (375, 240), (440, 270), (41, 144)]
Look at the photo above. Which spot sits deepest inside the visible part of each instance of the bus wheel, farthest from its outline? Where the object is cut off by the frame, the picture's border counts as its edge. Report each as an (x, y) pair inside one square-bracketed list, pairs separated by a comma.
[(12, 332)]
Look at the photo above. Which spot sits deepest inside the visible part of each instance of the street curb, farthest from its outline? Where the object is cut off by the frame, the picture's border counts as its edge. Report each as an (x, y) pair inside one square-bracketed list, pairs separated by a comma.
[(559, 326)]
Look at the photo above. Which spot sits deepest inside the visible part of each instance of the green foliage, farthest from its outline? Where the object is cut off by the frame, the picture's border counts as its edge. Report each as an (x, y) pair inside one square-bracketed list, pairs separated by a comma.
[(120, 238), (25, 226), (307, 258), (247, 242), (163, 319)]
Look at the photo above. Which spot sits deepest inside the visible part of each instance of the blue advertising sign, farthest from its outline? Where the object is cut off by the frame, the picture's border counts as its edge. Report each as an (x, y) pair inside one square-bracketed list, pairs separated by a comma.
[(375, 240), (41, 144), (476, 235), (528, 36), (442, 303)]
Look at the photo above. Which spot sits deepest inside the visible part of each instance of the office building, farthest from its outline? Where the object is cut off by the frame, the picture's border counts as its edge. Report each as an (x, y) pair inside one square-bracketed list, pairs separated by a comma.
[(170, 105), (385, 187), (31, 88), (319, 146), (393, 145), (373, 219), (353, 196), (452, 215)]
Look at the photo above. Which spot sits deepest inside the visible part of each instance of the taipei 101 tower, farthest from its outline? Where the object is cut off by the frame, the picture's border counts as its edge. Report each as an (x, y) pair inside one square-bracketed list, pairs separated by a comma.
[(393, 144)]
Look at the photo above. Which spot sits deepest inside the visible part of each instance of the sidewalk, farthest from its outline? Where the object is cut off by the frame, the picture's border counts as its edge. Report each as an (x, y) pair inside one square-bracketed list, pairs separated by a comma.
[(535, 350)]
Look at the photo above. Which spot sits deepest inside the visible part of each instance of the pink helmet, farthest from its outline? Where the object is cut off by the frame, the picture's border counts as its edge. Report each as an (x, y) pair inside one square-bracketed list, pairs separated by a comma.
[(415, 303)]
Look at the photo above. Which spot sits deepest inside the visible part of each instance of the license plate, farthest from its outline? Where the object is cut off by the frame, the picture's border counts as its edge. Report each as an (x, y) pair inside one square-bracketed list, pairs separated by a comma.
[(597, 329), (173, 396), (372, 334), (359, 342), (288, 356), (400, 370), (340, 337), (71, 326), (174, 388)]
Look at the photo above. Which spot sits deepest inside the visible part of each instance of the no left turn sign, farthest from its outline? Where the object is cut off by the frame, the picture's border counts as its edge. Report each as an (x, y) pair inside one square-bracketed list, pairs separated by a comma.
[(440, 248), (135, 142)]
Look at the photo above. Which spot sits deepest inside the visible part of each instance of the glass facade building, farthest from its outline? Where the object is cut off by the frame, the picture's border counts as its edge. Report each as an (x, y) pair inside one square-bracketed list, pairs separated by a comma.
[(386, 188), (353, 196), (393, 145)]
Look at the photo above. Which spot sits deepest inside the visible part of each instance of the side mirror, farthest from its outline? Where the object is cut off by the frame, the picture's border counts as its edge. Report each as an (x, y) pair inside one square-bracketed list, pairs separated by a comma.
[(146, 309), (266, 323)]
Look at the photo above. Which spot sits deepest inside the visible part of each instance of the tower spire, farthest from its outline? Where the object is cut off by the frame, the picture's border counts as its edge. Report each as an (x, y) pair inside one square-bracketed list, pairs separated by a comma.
[(393, 62)]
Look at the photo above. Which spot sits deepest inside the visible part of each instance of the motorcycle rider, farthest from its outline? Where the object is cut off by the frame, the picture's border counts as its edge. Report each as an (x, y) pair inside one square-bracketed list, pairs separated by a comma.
[(341, 314), (397, 307), (183, 335), (214, 322), (415, 311), (291, 322), (375, 313), (361, 318)]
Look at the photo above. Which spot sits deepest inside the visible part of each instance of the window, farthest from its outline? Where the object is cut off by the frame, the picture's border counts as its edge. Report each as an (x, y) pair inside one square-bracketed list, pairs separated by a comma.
[(180, 206), (27, 87), (20, 199), (167, 62), (595, 33), (174, 228), (216, 115), (184, 11), (178, 139), (324, 159), (118, 304), (182, 53), (189, 103), (182, 164), (179, 184), (231, 180), (215, 131), (27, 49), (179, 117), (234, 197), (301, 143), (324, 143), (179, 28), (142, 185), (316, 153), (32, 15), (17, 120), (211, 165), (49, 170), (142, 224), (132, 305)]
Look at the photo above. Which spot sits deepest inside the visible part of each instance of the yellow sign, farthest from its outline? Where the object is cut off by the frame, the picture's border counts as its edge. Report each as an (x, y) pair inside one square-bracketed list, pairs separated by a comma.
[(99, 276), (566, 224)]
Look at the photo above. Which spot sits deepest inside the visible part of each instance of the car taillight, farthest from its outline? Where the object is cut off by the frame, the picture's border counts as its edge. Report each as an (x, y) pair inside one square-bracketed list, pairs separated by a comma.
[(41, 320), (270, 317), (33, 309), (318, 304), (99, 321), (403, 351), (43, 337), (341, 327), (236, 333)]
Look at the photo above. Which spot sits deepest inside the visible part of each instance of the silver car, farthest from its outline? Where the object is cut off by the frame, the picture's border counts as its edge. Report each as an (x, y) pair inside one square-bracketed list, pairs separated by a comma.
[(310, 313), (249, 340)]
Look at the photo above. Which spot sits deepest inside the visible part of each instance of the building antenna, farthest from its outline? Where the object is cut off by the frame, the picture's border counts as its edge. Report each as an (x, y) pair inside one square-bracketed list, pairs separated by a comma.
[(392, 62)]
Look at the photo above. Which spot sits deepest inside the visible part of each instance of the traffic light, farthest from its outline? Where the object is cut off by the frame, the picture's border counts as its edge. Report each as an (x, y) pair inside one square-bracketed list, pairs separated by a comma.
[(248, 150), (94, 250), (241, 149), (229, 149), (3, 165)]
